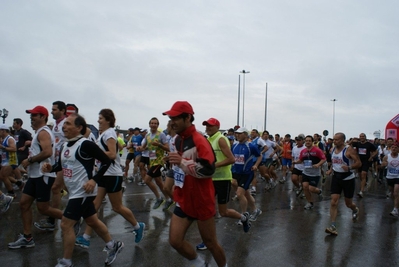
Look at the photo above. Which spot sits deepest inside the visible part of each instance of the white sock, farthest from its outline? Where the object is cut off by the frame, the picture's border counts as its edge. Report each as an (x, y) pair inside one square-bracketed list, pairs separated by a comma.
[(197, 262), (87, 237), (67, 261), (136, 227), (110, 244)]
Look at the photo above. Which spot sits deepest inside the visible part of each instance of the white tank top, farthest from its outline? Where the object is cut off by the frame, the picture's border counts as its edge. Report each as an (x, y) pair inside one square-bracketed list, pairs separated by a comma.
[(35, 168), (115, 168), (339, 159), (392, 167), (75, 174)]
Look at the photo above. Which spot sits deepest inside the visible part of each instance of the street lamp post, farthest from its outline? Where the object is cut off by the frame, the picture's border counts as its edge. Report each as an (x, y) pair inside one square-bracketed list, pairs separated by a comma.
[(243, 96), (4, 114), (333, 100), (264, 125), (238, 105)]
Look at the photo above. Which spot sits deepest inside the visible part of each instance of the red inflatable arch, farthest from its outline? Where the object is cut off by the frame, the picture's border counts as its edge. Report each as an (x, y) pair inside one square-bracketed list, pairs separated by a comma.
[(392, 129)]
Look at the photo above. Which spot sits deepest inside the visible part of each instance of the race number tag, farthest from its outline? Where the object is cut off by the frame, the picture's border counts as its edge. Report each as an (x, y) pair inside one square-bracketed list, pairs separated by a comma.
[(153, 154), (67, 172), (307, 163), (178, 175), (362, 151), (240, 159), (393, 171)]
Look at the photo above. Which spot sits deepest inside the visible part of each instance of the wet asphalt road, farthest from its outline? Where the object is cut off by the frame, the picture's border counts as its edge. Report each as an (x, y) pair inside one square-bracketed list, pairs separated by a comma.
[(284, 235)]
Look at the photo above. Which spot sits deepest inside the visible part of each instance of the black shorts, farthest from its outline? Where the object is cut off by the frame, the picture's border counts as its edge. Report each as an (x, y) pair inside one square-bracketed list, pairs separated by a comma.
[(80, 207), (312, 180), (338, 185), (21, 157), (130, 156), (392, 182), (155, 171), (145, 160), (180, 213), (112, 184), (296, 172), (243, 180), (268, 162), (222, 190), (39, 188), (365, 166)]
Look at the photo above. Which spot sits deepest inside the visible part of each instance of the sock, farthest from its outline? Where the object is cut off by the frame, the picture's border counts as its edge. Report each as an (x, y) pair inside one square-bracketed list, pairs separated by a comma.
[(333, 224), (243, 218), (197, 261), (110, 244), (28, 236), (87, 237), (67, 261), (136, 227)]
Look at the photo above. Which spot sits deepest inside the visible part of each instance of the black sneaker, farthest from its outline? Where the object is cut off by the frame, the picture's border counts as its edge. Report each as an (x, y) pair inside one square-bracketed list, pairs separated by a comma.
[(246, 225)]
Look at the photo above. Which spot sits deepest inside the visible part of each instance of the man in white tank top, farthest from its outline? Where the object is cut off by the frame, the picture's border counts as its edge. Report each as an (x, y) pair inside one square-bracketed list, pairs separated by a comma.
[(344, 160), (391, 162), (38, 185)]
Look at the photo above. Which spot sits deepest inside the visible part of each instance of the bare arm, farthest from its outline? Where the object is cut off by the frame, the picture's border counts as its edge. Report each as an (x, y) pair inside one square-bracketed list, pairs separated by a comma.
[(225, 148)]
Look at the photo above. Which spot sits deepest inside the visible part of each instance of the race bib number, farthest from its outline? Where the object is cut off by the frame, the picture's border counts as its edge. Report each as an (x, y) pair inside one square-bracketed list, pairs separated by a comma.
[(307, 163), (393, 171), (67, 172), (362, 151), (178, 175), (153, 155), (240, 159)]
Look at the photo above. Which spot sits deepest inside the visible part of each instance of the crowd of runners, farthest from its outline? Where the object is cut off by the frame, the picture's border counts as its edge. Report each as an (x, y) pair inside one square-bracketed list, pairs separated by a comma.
[(195, 172)]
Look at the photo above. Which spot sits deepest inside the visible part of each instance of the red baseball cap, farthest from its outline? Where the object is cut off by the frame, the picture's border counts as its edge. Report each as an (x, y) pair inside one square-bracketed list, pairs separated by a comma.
[(211, 122), (178, 108), (38, 110)]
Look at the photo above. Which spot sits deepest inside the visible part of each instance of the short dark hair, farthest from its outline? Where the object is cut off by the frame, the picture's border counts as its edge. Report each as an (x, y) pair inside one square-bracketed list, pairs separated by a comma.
[(267, 132), (153, 119), (109, 116), (80, 121), (61, 105), (18, 121), (185, 116), (309, 137)]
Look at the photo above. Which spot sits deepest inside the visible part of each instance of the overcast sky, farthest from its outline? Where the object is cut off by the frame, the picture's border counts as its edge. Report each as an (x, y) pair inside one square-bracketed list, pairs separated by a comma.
[(139, 57)]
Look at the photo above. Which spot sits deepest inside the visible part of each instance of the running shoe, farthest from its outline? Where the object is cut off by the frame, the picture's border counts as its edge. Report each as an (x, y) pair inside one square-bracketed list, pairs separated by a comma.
[(139, 232), (44, 225), (355, 214), (246, 225), (113, 252), (5, 203), (308, 206), (201, 246), (62, 263), (158, 203), (394, 213), (298, 191), (77, 226), (282, 180), (82, 242), (22, 242), (332, 230), (239, 223), (255, 215), (253, 191), (168, 203)]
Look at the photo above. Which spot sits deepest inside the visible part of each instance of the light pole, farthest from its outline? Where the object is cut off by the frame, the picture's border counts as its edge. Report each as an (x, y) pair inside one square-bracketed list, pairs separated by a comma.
[(243, 96), (265, 110), (333, 100), (4, 114), (238, 105)]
